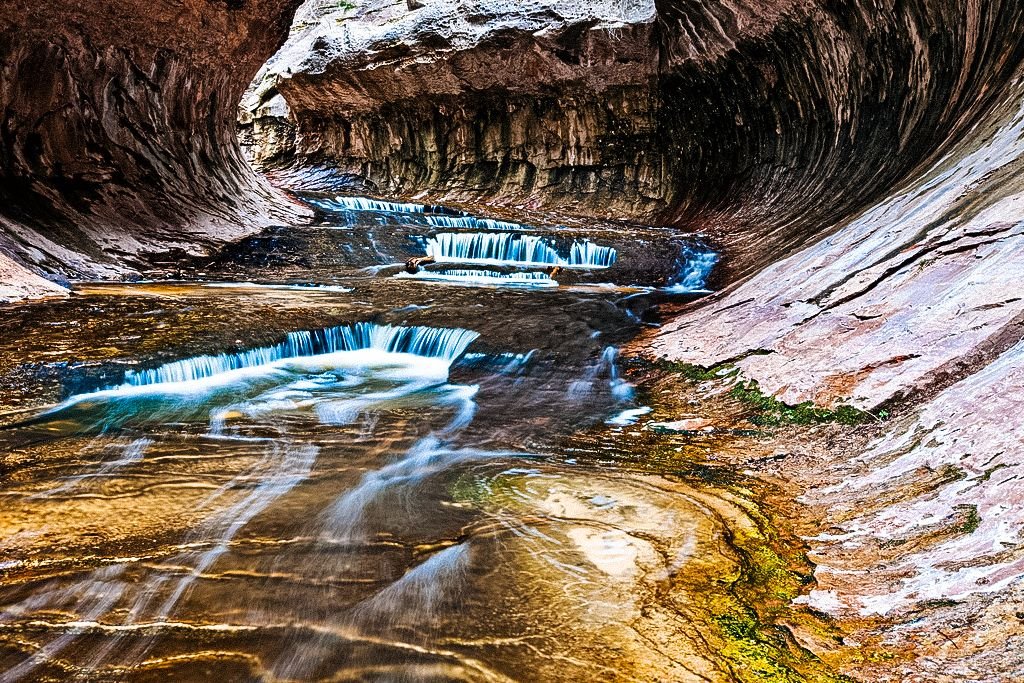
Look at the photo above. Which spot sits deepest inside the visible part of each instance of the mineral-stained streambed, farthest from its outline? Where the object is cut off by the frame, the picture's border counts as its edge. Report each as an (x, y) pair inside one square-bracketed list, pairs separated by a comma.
[(316, 465)]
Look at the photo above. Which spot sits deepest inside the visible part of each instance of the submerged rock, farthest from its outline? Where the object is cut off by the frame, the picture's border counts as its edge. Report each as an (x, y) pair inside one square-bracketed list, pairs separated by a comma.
[(690, 424)]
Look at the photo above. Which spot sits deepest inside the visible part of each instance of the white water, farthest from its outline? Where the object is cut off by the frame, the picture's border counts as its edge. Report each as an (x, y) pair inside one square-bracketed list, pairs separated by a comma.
[(692, 278), (485, 277), (444, 343), (366, 204), (515, 249), (473, 223)]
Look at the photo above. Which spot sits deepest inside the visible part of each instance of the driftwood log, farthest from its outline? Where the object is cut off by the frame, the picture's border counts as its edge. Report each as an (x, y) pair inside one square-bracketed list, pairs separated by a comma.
[(414, 264)]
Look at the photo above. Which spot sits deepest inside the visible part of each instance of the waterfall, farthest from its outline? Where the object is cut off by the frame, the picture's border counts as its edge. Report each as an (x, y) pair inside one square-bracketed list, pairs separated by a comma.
[(485, 277), (366, 204), (696, 266), (606, 367), (472, 222), (515, 249), (431, 342), (588, 253)]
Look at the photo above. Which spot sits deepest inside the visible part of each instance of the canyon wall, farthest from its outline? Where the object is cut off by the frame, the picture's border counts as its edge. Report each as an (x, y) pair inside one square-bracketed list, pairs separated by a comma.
[(911, 309), (530, 104), (902, 300), (763, 124), (118, 133)]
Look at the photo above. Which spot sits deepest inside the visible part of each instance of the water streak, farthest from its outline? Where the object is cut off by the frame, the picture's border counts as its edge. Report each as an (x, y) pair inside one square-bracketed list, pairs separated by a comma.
[(696, 265)]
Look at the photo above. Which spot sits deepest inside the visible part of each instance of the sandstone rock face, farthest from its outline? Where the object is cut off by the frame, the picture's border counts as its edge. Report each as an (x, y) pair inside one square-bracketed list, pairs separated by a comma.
[(534, 102), (911, 296), (911, 306), (765, 124), (118, 136), (963, 438)]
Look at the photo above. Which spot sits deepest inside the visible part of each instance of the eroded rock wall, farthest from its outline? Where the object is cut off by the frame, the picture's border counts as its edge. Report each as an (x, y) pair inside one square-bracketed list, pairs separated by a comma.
[(908, 307), (786, 119), (535, 104), (764, 124), (118, 136)]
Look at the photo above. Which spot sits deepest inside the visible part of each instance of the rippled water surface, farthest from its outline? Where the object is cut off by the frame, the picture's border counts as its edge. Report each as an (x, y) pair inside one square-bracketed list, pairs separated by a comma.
[(319, 466)]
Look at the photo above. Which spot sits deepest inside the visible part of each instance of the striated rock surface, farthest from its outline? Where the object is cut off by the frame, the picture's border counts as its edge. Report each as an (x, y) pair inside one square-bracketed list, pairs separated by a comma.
[(765, 124), (18, 282), (909, 307), (117, 137), (914, 294), (531, 103)]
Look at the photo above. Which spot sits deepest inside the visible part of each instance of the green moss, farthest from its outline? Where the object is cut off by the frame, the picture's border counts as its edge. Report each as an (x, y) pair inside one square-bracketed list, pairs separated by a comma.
[(771, 412), (696, 373), (937, 603), (752, 659), (744, 616), (949, 473), (971, 520), (987, 474)]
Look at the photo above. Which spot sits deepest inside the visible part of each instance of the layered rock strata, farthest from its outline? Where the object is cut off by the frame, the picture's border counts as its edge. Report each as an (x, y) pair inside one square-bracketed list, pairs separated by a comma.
[(763, 124), (909, 309), (118, 137)]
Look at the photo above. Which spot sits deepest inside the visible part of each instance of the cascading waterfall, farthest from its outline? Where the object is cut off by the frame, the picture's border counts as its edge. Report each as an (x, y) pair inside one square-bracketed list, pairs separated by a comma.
[(444, 343), (696, 265), (485, 277), (341, 203), (588, 253), (298, 371), (516, 249), (473, 223)]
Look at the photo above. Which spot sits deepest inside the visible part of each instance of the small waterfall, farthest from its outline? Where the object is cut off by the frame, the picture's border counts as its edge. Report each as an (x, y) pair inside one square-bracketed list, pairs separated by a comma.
[(515, 249), (492, 247), (588, 253), (621, 389), (366, 204), (473, 223), (431, 342), (606, 367), (485, 277), (695, 267)]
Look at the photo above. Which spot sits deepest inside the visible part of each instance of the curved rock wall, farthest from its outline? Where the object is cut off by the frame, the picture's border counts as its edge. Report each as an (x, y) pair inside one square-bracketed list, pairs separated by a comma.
[(787, 118), (908, 306), (765, 124), (118, 136), (537, 103)]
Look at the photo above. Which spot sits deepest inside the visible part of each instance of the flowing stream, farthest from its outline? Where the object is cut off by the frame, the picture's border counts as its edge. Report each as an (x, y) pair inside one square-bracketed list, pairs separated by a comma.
[(315, 465)]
